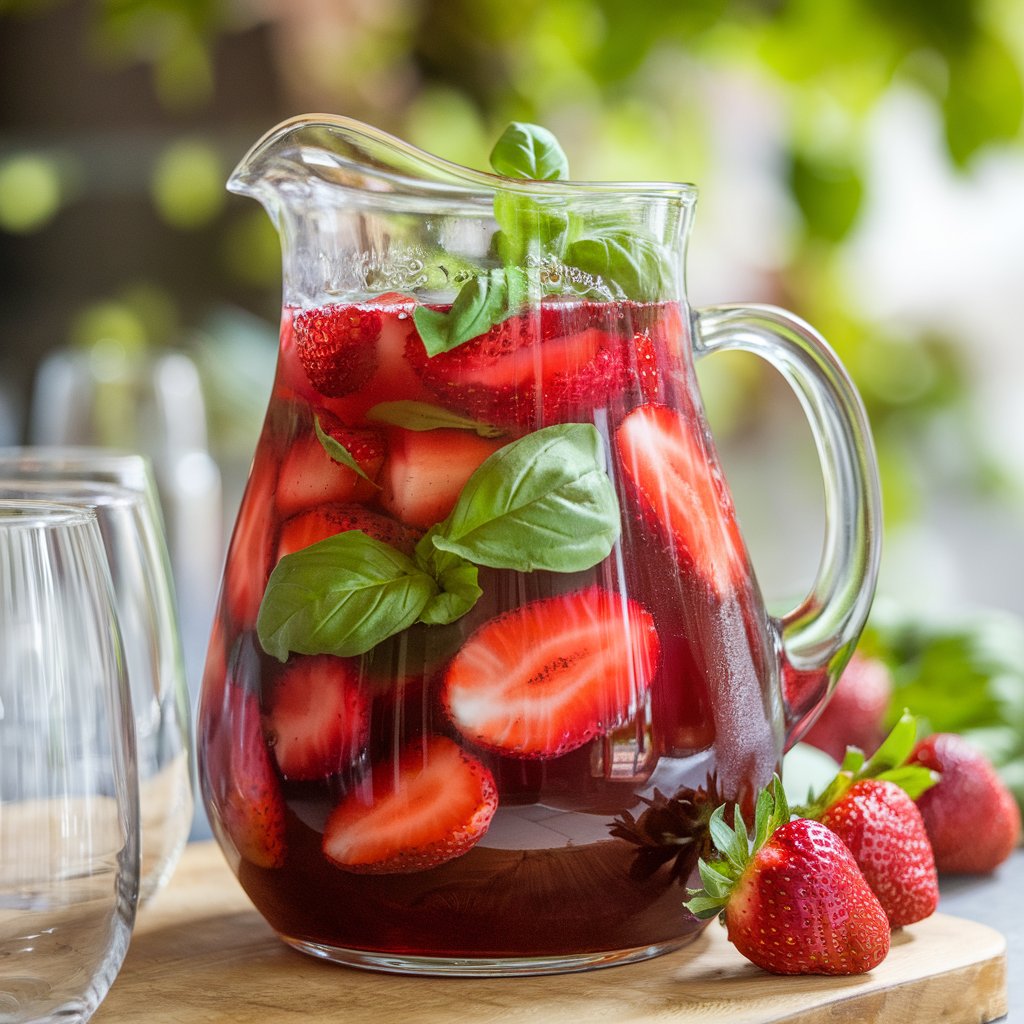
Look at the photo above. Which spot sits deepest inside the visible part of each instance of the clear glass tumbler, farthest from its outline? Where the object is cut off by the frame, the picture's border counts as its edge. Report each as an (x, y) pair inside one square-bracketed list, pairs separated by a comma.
[(119, 487), (69, 847)]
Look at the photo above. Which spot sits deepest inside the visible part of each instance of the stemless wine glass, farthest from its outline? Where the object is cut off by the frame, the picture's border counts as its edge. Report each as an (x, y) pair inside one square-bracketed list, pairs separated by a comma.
[(118, 487), (69, 835)]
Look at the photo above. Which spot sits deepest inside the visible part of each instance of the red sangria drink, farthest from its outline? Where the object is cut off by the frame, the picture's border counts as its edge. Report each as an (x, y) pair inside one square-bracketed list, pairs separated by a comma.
[(549, 658), (489, 649)]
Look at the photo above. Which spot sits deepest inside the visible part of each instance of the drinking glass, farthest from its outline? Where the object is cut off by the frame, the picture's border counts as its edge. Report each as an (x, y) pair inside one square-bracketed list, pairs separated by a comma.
[(118, 487), (69, 848)]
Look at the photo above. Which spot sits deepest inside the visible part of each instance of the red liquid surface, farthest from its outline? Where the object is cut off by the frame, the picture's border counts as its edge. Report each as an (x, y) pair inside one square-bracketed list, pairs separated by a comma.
[(552, 873)]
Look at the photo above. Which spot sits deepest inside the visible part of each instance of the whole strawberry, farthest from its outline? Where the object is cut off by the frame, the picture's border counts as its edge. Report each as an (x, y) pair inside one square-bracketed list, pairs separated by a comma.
[(795, 901), (883, 829), (870, 806), (856, 710), (972, 819)]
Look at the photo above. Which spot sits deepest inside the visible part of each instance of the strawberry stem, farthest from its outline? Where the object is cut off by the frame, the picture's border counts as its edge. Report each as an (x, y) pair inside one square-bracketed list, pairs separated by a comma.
[(888, 763), (719, 877)]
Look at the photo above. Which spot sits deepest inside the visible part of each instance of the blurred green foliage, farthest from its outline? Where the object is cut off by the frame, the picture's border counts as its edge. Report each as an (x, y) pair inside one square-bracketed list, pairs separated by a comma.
[(962, 675), (633, 90)]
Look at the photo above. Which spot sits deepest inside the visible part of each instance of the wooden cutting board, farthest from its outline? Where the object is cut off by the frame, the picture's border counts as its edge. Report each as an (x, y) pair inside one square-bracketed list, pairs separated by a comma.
[(202, 955)]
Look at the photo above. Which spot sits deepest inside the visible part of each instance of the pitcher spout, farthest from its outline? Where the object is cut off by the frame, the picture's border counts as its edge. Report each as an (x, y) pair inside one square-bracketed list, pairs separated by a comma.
[(307, 154)]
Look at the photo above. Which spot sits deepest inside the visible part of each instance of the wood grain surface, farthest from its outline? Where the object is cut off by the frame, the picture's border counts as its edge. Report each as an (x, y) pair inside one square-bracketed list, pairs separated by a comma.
[(202, 955)]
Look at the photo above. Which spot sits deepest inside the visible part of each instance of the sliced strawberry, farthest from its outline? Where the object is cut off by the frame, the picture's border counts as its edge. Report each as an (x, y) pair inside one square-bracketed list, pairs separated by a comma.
[(548, 366), (678, 483), (248, 562), (336, 346), (545, 678), (426, 469), (431, 805), (243, 789), (316, 524), (309, 476), (394, 379), (318, 717)]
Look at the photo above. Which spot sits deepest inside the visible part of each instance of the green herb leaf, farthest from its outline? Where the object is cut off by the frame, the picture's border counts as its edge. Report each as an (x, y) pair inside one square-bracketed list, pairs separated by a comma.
[(341, 596), (630, 263), (542, 502), (337, 451), (457, 580), (529, 151), (424, 416), (482, 302), (529, 227)]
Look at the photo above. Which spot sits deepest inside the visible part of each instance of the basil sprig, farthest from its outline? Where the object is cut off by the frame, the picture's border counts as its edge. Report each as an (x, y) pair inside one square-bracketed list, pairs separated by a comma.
[(421, 416), (544, 501), (628, 262)]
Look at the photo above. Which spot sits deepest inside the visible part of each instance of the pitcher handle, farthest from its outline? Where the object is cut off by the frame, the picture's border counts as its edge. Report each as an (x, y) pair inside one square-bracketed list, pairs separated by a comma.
[(817, 636)]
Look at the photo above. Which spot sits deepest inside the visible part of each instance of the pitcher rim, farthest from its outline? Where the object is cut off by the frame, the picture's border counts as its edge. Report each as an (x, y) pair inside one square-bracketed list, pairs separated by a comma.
[(466, 182)]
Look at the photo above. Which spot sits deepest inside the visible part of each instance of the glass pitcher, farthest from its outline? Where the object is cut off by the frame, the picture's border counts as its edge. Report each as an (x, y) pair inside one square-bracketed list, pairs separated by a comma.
[(489, 647)]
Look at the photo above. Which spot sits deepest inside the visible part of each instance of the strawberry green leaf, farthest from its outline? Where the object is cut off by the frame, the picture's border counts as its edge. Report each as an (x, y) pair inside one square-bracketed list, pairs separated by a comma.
[(763, 817), (719, 878), (731, 842), (422, 416), (895, 748), (703, 907), (337, 451), (717, 882), (888, 763), (853, 761), (913, 778)]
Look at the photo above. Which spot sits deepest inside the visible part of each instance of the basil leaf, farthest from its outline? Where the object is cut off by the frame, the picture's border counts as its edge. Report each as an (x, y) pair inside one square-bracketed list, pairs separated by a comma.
[(481, 303), (456, 577), (337, 451), (528, 228), (424, 416), (529, 151), (633, 264), (542, 502), (341, 596)]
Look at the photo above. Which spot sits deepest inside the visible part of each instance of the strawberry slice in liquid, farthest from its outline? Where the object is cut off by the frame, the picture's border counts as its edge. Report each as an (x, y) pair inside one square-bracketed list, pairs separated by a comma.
[(679, 485), (543, 679), (431, 805)]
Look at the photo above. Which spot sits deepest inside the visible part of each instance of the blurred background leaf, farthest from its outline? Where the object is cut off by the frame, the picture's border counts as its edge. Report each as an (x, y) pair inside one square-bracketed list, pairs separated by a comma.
[(860, 161)]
